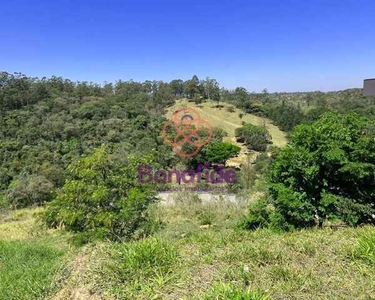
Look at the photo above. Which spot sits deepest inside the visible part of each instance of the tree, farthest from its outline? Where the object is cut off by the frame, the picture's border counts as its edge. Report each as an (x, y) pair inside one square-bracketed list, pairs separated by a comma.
[(29, 190), (177, 86), (327, 172), (285, 116), (192, 87), (220, 152), (254, 137), (241, 96), (103, 199), (211, 89)]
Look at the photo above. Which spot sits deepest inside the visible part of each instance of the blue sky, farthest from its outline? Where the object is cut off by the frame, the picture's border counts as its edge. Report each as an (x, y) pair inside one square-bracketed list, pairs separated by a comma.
[(280, 45)]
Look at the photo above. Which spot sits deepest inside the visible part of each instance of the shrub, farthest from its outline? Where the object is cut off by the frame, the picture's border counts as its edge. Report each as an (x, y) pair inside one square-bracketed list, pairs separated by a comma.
[(258, 216), (29, 190), (103, 199), (254, 137), (326, 172), (221, 152)]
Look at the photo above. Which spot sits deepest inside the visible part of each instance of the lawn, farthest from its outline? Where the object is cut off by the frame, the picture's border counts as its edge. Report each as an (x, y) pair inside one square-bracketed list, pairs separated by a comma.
[(199, 254), (32, 260)]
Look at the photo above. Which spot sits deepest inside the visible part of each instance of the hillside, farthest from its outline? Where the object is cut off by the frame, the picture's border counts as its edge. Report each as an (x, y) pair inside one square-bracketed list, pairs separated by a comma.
[(76, 221), (229, 120)]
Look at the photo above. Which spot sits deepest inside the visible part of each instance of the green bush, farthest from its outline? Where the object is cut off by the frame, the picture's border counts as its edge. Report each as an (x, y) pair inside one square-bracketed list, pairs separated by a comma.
[(103, 198), (254, 137), (29, 190), (326, 172), (220, 152), (259, 216)]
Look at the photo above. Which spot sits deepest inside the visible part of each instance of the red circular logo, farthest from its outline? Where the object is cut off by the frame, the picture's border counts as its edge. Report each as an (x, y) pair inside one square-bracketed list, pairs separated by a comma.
[(187, 126)]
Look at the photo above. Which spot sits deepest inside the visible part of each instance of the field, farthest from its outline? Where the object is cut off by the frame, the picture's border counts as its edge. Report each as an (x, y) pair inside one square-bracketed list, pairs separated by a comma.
[(32, 260), (197, 254)]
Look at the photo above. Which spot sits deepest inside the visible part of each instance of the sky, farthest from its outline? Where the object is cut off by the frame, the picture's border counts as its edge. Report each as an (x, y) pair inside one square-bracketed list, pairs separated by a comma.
[(279, 45)]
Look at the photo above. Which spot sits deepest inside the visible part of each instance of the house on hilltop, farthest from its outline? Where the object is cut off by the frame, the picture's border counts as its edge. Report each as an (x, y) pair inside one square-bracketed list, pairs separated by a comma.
[(369, 87)]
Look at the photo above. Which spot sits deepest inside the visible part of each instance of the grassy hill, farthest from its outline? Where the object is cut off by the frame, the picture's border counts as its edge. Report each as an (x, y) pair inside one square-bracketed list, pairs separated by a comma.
[(228, 118)]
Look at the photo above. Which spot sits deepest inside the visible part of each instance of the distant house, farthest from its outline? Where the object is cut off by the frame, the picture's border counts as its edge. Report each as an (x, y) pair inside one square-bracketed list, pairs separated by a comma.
[(369, 87)]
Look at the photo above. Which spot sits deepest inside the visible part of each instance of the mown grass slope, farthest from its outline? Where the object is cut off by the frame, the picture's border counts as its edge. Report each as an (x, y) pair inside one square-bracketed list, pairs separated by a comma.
[(230, 120), (227, 117)]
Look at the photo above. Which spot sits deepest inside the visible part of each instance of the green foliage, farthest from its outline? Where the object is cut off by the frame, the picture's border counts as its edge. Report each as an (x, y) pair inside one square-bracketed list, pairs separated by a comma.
[(255, 137), (221, 152), (365, 247), (103, 198), (27, 269), (264, 161), (286, 117), (45, 124), (292, 209), (326, 172), (259, 216), (230, 292), (144, 259), (29, 190)]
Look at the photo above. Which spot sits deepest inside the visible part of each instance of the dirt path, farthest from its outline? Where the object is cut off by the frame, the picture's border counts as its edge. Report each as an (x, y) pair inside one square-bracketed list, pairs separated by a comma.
[(75, 286)]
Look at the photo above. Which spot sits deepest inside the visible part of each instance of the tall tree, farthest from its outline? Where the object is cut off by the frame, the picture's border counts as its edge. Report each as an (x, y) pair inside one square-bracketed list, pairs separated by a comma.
[(211, 89), (177, 86), (192, 87)]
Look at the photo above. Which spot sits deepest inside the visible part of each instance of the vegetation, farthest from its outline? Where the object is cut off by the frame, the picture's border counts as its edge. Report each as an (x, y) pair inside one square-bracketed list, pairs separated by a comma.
[(228, 292), (103, 199), (312, 179), (32, 260), (73, 149), (221, 152), (254, 137), (189, 260), (26, 269)]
